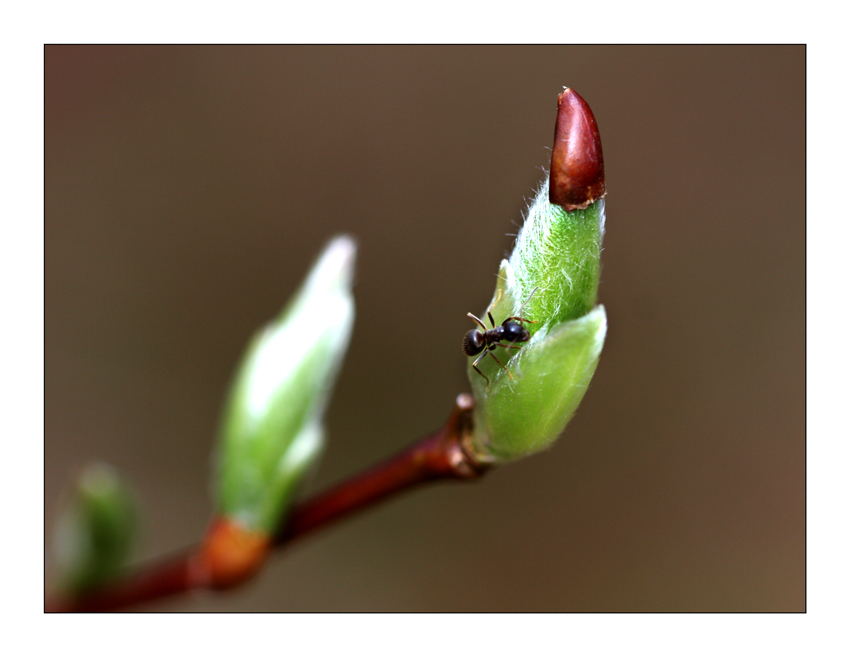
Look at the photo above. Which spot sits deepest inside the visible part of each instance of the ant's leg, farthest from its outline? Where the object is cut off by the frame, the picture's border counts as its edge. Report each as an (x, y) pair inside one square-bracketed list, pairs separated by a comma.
[(490, 351), (529, 299), (520, 319), (507, 346), (498, 296), (476, 320), (475, 367)]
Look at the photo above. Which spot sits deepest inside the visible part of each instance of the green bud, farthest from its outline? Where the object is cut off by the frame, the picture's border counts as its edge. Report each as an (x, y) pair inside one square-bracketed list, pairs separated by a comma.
[(272, 432), (551, 279), (96, 531)]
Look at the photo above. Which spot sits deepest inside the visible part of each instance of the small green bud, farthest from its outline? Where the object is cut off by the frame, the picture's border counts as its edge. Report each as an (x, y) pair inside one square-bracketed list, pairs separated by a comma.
[(272, 433), (96, 531), (551, 280)]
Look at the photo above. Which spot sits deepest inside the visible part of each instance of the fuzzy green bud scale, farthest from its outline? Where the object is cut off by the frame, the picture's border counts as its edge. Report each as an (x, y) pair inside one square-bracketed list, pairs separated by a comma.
[(550, 279), (272, 429), (95, 533)]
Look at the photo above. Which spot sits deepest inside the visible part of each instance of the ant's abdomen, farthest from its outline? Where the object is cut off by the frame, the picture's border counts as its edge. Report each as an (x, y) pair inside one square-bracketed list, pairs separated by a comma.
[(514, 332)]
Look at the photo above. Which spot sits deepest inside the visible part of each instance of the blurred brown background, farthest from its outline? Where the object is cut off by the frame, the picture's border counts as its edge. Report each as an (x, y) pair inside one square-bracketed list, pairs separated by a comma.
[(188, 190)]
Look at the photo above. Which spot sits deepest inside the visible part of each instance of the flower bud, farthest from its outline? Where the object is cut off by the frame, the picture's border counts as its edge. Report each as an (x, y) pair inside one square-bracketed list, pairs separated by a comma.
[(95, 532), (551, 280), (578, 170), (272, 433)]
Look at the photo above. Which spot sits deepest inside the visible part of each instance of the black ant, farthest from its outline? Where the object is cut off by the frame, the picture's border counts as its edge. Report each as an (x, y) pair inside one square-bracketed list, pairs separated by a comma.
[(511, 331)]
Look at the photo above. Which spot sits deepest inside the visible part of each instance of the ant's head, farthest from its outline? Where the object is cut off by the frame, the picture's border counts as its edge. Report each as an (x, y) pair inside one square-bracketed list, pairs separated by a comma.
[(473, 342), (514, 332)]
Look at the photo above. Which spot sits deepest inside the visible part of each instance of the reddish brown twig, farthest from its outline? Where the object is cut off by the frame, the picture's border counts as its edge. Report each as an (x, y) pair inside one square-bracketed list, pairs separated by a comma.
[(440, 455)]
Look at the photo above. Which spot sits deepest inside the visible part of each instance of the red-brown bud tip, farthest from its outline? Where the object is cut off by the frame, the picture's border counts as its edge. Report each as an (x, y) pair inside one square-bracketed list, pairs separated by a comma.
[(577, 173)]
